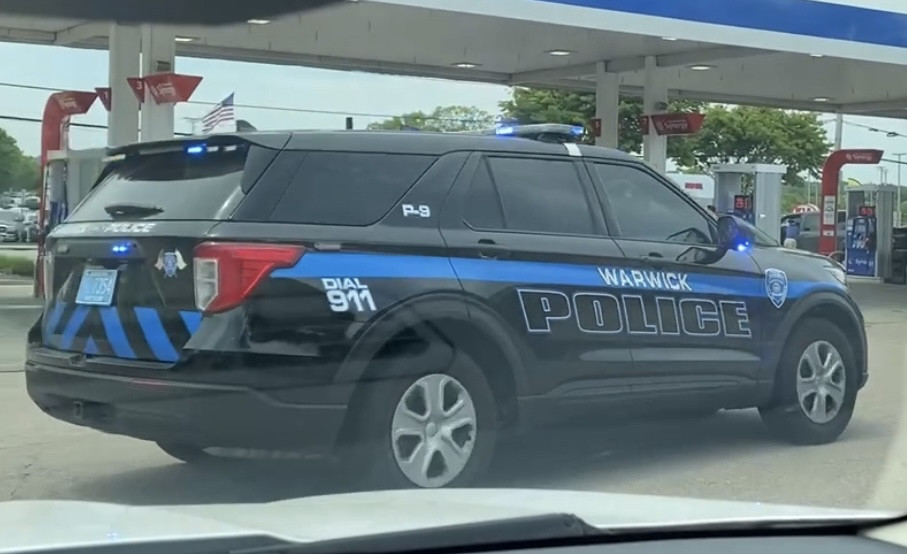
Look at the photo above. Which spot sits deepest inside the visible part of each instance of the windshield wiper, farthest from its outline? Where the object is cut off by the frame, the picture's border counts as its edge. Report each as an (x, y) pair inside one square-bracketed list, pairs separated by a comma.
[(502, 531), (130, 209)]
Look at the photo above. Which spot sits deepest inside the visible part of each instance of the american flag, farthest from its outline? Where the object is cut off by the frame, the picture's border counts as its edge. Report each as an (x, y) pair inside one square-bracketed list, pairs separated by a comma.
[(222, 113)]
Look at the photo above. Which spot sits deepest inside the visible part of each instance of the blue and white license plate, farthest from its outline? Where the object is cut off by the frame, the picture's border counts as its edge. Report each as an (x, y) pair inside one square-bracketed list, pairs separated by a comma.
[(97, 287)]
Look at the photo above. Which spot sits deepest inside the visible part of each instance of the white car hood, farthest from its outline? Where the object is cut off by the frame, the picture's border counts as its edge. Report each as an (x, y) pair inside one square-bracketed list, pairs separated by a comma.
[(40, 525)]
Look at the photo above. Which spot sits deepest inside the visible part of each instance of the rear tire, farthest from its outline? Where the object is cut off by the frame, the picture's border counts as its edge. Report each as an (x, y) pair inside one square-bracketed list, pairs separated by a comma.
[(185, 452), (434, 410), (816, 386)]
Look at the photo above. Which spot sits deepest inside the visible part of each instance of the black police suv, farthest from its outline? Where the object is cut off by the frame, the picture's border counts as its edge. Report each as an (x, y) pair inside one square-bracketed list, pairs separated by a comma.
[(402, 300)]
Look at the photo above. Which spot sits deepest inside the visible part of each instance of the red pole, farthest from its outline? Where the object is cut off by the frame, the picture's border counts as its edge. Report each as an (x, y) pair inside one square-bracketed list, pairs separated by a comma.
[(831, 176), (59, 107)]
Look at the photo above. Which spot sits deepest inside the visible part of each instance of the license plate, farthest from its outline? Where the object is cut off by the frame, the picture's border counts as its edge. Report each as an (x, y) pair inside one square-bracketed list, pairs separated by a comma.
[(97, 287)]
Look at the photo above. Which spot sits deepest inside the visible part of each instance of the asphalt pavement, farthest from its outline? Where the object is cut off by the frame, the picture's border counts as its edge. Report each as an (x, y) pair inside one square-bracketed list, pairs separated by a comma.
[(728, 456)]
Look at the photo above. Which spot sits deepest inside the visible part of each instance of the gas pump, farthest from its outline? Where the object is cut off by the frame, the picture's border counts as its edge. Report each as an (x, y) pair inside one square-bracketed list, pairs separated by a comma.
[(743, 207), (860, 243), (751, 192), (868, 235), (68, 177)]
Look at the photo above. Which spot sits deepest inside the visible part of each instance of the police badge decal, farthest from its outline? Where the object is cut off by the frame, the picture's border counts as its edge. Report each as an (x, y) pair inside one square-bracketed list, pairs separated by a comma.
[(776, 286), (170, 263)]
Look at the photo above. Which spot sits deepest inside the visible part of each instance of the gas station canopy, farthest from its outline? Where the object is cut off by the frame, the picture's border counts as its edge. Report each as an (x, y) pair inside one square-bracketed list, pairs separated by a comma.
[(802, 54)]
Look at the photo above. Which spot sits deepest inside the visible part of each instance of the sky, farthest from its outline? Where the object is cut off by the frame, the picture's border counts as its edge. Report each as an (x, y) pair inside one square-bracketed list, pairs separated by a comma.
[(300, 88)]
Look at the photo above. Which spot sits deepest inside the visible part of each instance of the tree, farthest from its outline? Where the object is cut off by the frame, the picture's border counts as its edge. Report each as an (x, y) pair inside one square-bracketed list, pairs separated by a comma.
[(741, 134), (17, 170), (442, 118), (748, 134), (528, 105)]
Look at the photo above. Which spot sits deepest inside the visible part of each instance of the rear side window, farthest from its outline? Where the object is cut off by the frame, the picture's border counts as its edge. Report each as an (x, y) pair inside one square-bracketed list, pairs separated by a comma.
[(483, 205), (180, 185), (348, 188), (541, 196)]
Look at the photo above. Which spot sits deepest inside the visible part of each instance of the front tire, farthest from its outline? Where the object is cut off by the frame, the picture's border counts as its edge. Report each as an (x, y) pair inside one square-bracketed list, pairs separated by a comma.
[(816, 386), (434, 426)]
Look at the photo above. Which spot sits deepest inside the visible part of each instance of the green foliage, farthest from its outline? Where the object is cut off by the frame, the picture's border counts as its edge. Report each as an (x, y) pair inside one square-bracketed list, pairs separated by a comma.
[(747, 134), (17, 265), (17, 171), (740, 134), (442, 119), (559, 106)]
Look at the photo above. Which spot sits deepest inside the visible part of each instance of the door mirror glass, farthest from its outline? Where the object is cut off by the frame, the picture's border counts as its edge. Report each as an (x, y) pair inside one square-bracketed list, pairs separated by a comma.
[(733, 236)]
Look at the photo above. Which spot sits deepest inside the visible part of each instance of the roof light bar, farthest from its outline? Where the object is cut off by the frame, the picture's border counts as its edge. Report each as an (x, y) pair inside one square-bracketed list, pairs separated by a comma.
[(544, 132)]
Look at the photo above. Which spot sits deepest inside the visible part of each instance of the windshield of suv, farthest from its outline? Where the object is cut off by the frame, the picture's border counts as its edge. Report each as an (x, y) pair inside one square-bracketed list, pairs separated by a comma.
[(393, 266)]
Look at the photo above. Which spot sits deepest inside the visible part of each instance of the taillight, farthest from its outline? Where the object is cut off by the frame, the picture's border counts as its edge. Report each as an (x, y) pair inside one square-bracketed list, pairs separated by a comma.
[(226, 273)]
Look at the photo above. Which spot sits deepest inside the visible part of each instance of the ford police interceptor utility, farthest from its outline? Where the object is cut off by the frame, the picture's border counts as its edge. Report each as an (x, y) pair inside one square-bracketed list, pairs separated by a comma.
[(401, 300)]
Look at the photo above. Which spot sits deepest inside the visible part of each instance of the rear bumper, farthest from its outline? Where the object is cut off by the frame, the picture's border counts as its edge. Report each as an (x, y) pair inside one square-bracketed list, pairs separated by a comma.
[(194, 413)]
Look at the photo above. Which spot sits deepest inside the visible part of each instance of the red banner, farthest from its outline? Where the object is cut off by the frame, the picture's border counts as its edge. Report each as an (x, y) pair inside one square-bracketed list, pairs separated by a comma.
[(869, 157), (73, 102), (171, 88), (672, 124), (104, 95), (137, 84)]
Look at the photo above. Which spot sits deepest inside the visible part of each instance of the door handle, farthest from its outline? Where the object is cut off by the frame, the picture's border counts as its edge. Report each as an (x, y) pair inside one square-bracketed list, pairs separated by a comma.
[(654, 259), (489, 250)]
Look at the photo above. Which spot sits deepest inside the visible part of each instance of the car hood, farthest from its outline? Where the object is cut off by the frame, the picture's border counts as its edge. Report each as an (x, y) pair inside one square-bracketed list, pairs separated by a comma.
[(40, 525), (803, 253)]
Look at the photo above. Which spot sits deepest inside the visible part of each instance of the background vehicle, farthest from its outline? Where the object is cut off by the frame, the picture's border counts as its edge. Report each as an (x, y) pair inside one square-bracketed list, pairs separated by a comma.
[(12, 225), (808, 236)]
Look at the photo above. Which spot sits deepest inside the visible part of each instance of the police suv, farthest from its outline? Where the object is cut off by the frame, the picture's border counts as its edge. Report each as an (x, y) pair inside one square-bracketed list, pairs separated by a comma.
[(402, 300)]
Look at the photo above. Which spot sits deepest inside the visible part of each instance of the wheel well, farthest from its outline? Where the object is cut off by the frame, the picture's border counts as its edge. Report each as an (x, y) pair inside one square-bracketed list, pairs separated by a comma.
[(842, 320), (463, 335)]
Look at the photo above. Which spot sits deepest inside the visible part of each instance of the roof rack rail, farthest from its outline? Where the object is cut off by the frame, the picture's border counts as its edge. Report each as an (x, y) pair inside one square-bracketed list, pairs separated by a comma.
[(543, 132)]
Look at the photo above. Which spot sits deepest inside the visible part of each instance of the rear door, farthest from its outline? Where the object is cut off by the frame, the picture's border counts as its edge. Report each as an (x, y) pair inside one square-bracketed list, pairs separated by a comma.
[(526, 238), (119, 270)]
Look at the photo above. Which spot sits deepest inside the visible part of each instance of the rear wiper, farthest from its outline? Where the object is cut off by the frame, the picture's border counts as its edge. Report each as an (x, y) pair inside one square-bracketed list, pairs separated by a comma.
[(528, 529), (130, 209)]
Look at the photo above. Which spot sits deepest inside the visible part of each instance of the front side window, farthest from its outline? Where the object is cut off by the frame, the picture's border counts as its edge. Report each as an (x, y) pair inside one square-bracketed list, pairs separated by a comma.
[(645, 208)]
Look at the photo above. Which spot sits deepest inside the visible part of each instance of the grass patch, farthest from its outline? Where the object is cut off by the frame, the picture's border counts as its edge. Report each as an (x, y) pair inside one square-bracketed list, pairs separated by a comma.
[(17, 265)]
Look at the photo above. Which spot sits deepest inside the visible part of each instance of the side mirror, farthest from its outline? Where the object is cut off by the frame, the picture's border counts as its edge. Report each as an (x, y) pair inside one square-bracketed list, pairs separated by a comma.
[(733, 236)]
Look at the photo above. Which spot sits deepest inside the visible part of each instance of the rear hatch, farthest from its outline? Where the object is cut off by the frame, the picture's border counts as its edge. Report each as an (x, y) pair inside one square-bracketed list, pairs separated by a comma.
[(119, 271)]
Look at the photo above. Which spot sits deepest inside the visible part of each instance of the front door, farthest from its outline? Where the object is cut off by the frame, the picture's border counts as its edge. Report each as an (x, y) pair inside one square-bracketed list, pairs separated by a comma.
[(693, 315)]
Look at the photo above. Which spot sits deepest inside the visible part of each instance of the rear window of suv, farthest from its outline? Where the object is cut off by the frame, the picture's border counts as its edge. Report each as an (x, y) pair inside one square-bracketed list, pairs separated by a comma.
[(183, 186)]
